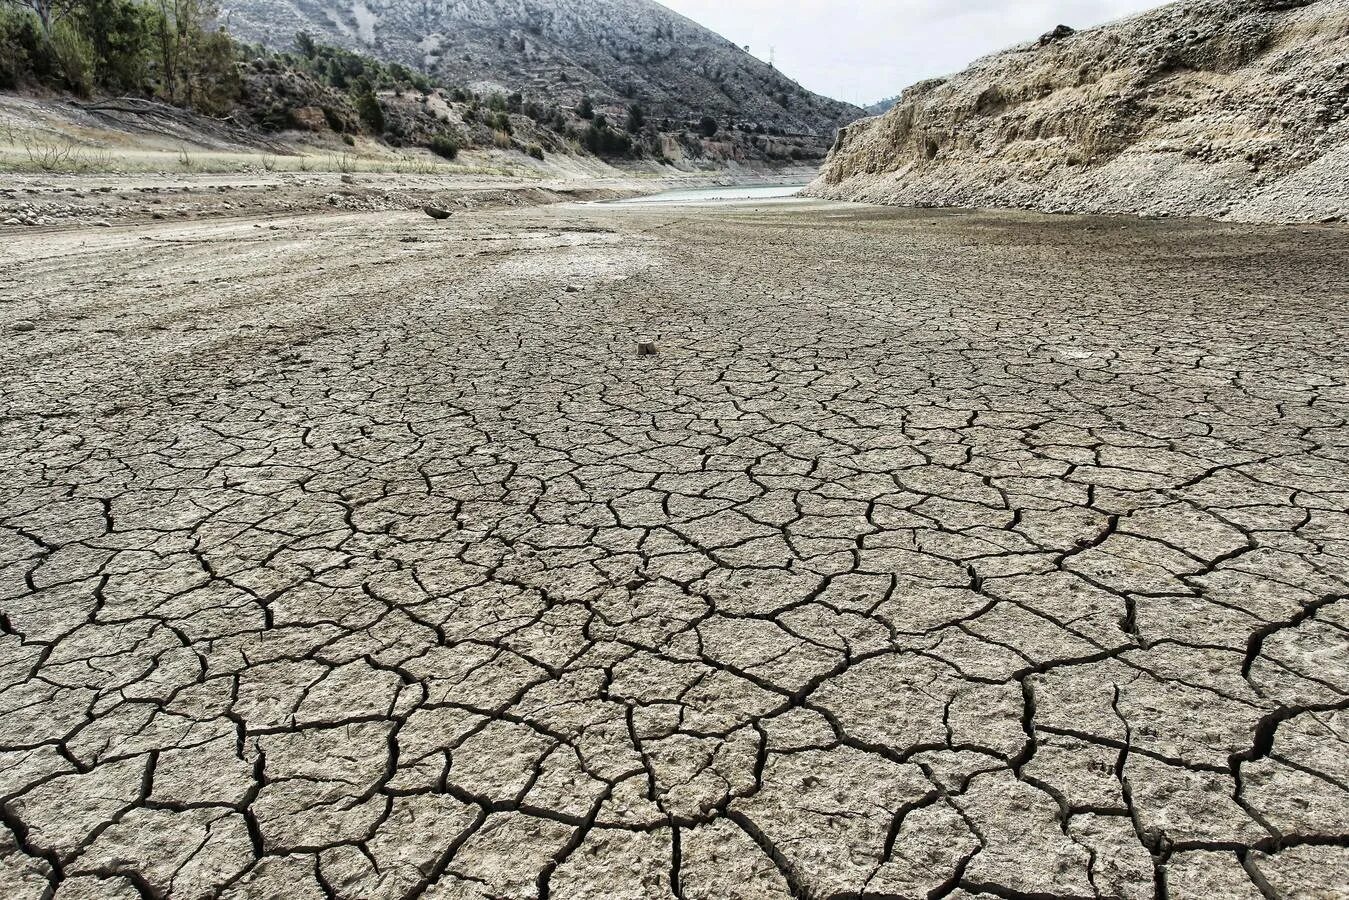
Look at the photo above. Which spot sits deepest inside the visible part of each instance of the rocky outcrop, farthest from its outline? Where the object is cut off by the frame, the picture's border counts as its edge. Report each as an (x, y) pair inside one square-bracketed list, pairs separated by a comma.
[(1233, 109)]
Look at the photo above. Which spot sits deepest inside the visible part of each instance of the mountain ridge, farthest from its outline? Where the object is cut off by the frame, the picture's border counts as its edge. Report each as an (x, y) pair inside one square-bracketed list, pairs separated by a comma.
[(618, 53)]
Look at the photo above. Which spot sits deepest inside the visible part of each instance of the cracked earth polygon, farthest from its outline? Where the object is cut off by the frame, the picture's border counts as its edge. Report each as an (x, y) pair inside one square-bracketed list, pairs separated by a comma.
[(932, 555)]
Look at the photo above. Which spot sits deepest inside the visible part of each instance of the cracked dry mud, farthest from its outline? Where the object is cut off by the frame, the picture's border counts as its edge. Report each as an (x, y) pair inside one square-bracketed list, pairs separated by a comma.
[(934, 555)]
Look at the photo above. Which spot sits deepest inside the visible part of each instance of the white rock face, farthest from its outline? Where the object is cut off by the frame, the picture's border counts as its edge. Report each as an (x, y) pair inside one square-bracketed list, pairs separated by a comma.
[(1233, 109)]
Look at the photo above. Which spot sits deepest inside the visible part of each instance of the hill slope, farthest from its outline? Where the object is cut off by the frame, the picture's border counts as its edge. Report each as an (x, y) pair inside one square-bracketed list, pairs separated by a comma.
[(881, 107), (1227, 108), (615, 51)]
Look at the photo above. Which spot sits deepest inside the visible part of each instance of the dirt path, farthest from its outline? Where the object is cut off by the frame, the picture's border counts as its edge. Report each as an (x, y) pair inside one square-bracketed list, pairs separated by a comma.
[(933, 555)]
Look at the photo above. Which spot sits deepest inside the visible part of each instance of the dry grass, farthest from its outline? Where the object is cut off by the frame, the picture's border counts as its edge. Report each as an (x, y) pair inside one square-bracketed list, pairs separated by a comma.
[(34, 151), (26, 150)]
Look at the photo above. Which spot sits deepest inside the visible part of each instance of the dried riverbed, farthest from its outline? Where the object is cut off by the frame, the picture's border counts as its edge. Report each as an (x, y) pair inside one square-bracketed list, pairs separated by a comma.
[(932, 555)]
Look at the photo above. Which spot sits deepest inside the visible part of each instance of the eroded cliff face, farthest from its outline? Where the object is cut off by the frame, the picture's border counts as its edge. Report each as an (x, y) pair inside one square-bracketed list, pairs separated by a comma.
[(1227, 108)]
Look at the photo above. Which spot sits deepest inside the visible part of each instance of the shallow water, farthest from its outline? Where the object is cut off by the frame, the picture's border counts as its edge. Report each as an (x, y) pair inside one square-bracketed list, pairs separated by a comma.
[(718, 194)]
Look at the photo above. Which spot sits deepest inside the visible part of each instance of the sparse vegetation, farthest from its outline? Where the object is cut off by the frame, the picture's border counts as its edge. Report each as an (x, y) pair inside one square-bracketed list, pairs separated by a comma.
[(49, 155)]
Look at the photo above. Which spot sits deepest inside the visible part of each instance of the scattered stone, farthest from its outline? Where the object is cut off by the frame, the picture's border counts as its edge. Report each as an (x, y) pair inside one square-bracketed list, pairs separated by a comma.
[(646, 347), (436, 212), (13, 221), (22, 325)]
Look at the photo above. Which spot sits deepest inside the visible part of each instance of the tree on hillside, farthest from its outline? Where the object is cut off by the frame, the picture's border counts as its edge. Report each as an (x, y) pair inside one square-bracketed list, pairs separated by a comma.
[(122, 37), (367, 106), (586, 108), (708, 126), (50, 13), (636, 118), (196, 63)]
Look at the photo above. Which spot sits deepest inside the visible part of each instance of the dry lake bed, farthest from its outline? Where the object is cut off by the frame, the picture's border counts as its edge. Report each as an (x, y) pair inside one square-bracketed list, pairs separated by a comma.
[(931, 554)]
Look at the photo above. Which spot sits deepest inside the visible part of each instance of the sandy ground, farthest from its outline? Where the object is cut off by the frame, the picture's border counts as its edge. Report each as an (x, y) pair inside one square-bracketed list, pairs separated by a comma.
[(61, 201), (932, 555)]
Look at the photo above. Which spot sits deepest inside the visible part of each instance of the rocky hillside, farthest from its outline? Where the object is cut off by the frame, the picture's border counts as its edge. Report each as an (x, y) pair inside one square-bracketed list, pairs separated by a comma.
[(880, 107), (617, 52), (1235, 109)]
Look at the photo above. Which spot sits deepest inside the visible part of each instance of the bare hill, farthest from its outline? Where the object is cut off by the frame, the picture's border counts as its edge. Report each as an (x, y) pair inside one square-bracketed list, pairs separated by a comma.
[(1224, 108), (615, 51)]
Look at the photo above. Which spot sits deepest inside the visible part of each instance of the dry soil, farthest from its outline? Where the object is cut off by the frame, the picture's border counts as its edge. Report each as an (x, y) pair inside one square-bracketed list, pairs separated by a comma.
[(931, 555)]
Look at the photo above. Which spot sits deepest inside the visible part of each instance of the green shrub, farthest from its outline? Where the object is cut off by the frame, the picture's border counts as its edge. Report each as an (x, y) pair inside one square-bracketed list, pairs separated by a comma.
[(334, 119), (75, 56), (23, 54), (636, 118), (371, 113), (535, 151), (444, 145), (122, 38), (602, 140)]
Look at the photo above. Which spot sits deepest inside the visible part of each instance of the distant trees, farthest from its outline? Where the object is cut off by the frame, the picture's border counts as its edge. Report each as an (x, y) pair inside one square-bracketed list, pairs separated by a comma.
[(602, 140), (50, 13), (171, 50), (196, 64), (708, 127), (636, 118), (168, 49)]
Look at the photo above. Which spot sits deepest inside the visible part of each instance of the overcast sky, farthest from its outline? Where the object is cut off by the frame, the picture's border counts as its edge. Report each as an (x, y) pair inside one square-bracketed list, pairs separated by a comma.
[(866, 50)]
